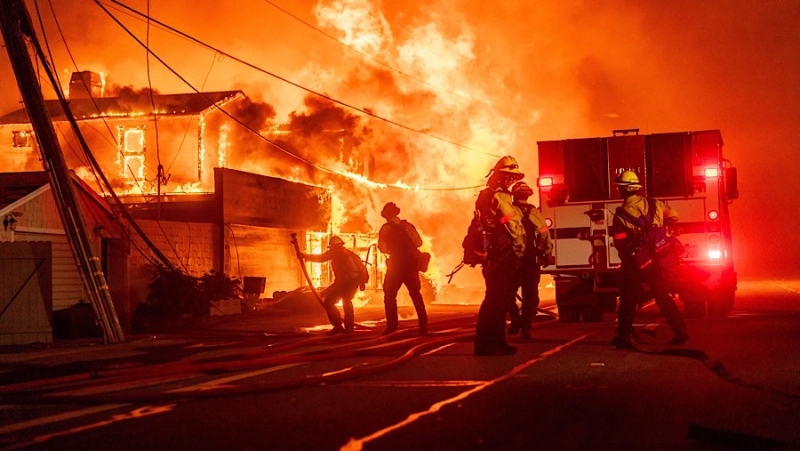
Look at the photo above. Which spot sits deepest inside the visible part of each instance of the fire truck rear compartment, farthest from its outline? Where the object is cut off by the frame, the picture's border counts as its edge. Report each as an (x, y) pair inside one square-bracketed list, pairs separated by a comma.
[(684, 169)]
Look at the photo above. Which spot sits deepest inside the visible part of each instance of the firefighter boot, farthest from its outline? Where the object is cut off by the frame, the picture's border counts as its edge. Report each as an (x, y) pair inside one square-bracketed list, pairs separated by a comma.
[(389, 330), (624, 341), (337, 329)]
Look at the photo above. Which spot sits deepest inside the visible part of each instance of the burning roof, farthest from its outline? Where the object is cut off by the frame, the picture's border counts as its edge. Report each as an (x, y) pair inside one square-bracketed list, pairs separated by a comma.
[(130, 105)]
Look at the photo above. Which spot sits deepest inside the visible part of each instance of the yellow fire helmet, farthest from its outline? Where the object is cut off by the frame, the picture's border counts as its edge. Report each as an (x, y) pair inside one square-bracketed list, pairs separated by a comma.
[(508, 165), (628, 180)]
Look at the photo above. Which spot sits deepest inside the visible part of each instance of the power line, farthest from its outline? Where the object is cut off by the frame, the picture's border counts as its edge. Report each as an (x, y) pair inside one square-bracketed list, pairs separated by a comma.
[(229, 115), (83, 82), (285, 80), (85, 147)]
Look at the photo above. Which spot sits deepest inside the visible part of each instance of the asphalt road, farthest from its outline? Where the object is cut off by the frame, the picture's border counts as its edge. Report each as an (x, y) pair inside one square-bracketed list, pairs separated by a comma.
[(735, 384)]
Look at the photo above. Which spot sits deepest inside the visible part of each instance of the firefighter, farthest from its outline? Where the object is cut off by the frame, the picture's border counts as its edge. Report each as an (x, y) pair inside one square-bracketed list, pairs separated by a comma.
[(632, 278), (400, 240), (502, 223), (349, 273), (538, 249)]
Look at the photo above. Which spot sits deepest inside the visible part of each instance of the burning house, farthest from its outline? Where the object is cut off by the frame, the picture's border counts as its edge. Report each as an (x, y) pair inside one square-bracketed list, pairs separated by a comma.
[(138, 137), (169, 159)]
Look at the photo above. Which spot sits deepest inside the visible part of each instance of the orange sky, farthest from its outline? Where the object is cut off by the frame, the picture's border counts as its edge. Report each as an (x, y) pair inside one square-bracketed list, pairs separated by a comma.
[(486, 81)]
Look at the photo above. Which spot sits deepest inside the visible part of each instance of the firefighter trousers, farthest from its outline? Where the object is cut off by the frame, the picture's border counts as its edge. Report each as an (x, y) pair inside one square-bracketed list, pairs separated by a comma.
[(502, 281), (529, 278), (632, 291), (398, 275), (344, 290)]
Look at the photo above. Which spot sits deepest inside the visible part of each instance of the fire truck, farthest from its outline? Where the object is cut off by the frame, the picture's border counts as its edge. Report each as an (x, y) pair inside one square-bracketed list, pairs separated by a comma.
[(578, 200)]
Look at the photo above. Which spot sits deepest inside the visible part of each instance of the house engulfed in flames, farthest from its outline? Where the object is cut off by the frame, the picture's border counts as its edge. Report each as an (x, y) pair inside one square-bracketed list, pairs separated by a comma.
[(171, 168), (187, 139)]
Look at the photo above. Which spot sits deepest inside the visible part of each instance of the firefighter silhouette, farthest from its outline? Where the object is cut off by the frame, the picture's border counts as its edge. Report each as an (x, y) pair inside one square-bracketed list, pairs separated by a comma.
[(348, 272), (400, 240), (633, 278), (538, 248), (502, 222)]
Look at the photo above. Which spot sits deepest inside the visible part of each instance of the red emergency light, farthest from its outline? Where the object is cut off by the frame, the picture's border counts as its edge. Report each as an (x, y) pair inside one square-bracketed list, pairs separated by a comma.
[(713, 215), (714, 254), (711, 172), (543, 182)]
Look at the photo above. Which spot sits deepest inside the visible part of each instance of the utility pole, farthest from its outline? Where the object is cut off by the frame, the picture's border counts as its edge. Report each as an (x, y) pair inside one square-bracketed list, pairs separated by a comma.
[(15, 23)]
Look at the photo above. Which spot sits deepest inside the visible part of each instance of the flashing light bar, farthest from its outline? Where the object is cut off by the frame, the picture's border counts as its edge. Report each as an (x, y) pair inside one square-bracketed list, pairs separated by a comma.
[(711, 172), (715, 254), (543, 182)]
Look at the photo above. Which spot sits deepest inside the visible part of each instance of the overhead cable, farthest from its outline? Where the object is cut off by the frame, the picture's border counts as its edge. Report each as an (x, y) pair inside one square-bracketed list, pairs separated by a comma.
[(255, 132), (297, 85)]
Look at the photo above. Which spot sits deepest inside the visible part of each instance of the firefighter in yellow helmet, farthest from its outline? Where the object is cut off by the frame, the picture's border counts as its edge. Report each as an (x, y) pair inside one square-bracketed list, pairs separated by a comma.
[(633, 278), (538, 249), (349, 273), (502, 222)]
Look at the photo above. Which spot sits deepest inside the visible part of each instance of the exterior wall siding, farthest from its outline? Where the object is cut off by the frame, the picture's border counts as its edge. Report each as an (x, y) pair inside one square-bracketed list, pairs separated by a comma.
[(40, 221), (67, 282)]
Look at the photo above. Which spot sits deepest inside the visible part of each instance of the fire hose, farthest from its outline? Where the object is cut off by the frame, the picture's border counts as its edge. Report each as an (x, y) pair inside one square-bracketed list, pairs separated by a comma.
[(345, 351), (305, 271)]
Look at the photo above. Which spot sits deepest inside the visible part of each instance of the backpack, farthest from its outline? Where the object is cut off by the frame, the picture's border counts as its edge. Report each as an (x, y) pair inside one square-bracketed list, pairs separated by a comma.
[(651, 244), (402, 245), (363, 272), (533, 242), (476, 243)]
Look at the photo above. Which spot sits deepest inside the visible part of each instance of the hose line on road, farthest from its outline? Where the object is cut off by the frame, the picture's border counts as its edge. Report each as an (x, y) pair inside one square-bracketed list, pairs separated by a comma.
[(188, 366), (43, 391), (419, 344), (717, 368)]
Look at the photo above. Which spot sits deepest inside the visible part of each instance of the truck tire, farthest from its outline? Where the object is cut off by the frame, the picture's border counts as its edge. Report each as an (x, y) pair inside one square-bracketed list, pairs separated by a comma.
[(694, 308), (573, 296), (694, 297), (569, 314), (720, 302), (592, 313)]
